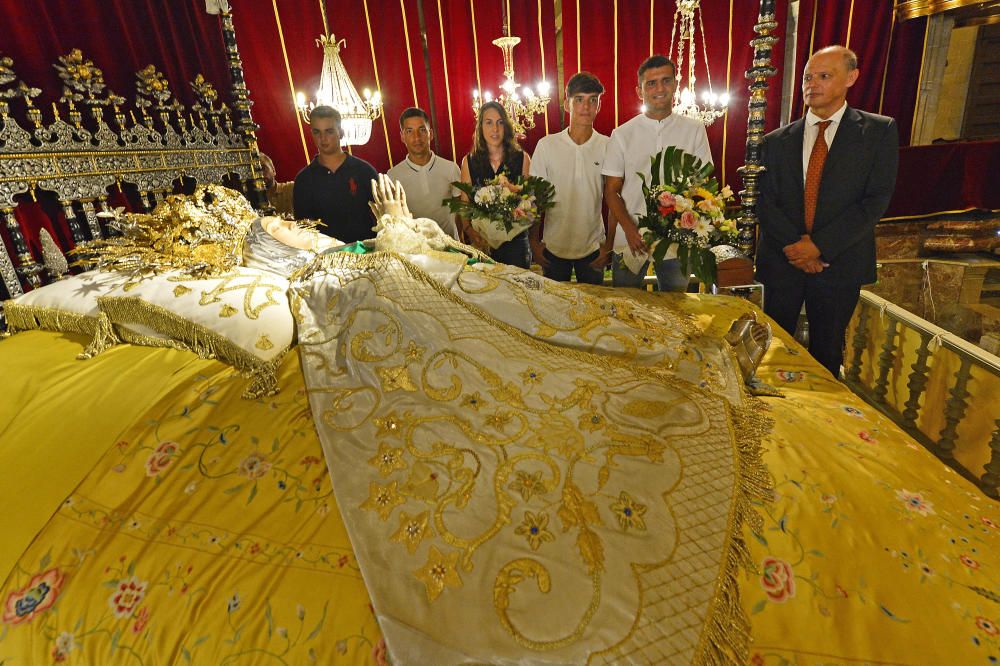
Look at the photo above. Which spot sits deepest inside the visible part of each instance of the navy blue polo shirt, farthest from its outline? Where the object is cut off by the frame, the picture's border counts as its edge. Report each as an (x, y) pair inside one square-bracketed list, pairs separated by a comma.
[(338, 198)]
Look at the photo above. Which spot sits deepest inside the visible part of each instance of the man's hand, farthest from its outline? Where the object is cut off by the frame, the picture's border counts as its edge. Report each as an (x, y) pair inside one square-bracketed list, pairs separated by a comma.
[(538, 253), (810, 265), (634, 238), (603, 256), (802, 250)]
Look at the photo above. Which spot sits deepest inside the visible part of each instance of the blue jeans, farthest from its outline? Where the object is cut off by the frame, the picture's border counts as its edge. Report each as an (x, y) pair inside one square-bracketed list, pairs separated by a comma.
[(560, 269), (515, 252), (668, 275)]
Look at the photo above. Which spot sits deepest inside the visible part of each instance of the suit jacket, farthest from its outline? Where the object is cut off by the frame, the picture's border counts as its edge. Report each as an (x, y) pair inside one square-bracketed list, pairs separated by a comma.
[(859, 176)]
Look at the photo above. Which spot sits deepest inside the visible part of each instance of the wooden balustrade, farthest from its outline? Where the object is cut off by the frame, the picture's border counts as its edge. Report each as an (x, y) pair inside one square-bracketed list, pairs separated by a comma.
[(975, 384)]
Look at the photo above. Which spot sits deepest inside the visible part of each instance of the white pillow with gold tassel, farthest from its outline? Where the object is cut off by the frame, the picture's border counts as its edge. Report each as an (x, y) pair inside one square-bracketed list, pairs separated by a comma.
[(68, 305), (241, 318)]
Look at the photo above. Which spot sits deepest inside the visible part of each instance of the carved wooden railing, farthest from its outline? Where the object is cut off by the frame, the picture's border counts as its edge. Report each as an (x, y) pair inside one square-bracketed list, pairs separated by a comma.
[(941, 389)]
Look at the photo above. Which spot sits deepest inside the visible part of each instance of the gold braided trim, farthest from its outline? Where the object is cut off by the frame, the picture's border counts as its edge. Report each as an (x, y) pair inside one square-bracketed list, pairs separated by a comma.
[(187, 335), (727, 633), (22, 317)]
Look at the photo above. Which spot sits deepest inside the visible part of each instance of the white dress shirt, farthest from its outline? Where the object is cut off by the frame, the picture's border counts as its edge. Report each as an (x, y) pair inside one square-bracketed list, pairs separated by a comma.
[(427, 186), (635, 142), (810, 132), (574, 227)]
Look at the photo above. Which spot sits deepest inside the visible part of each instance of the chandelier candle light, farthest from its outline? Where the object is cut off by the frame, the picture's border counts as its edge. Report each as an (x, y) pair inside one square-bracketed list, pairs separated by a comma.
[(686, 101), (521, 107), (337, 90)]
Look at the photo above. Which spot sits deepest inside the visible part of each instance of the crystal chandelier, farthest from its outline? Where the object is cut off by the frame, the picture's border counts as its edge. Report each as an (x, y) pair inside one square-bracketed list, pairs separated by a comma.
[(337, 90), (521, 107), (686, 98)]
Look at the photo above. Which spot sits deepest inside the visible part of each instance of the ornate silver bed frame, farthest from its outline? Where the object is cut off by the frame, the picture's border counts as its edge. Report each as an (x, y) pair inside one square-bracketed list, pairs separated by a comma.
[(92, 145)]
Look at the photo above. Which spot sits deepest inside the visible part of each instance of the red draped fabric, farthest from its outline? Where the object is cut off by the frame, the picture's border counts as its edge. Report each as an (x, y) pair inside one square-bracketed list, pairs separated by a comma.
[(949, 177), (614, 37), (889, 54), (386, 48)]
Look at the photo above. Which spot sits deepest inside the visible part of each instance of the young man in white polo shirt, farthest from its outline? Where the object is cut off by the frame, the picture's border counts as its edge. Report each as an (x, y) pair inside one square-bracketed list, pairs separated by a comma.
[(629, 152), (573, 238), (426, 177)]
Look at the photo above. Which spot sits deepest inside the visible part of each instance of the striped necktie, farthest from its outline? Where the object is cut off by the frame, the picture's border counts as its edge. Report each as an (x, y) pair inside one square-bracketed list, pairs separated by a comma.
[(814, 173)]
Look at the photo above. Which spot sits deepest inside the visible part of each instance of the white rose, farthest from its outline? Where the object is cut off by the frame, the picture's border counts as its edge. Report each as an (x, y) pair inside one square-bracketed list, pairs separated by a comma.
[(682, 204)]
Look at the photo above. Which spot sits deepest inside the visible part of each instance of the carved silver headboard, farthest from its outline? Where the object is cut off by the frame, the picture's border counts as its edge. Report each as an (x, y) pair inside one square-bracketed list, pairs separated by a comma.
[(93, 143)]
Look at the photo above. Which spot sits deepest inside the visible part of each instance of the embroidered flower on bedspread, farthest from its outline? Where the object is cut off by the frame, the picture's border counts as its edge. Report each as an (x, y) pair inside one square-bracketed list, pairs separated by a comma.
[(39, 595), (778, 580), (127, 597), (254, 466), (161, 458), (915, 502)]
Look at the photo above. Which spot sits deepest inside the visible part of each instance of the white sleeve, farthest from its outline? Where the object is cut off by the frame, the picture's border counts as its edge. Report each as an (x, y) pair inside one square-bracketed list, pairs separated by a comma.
[(614, 157), (537, 167), (702, 149)]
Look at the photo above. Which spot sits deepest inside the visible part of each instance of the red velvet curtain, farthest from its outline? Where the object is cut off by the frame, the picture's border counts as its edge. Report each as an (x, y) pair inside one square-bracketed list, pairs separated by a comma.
[(120, 37), (385, 49), (889, 54), (614, 38)]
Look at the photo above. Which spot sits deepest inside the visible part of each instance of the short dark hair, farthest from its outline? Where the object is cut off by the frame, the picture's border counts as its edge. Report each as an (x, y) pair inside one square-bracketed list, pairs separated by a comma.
[(583, 82), (656, 61), (324, 111), (413, 112)]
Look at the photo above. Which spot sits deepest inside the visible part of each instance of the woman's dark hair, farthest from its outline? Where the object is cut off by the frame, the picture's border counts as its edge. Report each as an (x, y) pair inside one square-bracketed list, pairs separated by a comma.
[(510, 144)]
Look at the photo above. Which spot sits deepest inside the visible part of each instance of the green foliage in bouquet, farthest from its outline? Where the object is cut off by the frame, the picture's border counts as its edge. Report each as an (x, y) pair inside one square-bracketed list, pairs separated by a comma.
[(685, 207)]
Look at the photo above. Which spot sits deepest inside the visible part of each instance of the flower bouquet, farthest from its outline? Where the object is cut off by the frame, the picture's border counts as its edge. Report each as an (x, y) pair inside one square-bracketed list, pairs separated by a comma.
[(685, 212), (501, 209)]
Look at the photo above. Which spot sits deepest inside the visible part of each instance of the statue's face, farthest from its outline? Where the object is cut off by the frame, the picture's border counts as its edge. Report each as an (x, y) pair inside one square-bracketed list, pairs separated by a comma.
[(290, 233)]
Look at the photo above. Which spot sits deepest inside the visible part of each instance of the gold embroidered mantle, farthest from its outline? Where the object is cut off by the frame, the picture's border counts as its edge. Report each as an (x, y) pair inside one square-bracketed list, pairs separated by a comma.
[(515, 500)]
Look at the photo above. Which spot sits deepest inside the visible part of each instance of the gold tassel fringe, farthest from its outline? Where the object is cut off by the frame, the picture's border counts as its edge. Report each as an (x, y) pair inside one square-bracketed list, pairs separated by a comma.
[(187, 335), (727, 636), (23, 317)]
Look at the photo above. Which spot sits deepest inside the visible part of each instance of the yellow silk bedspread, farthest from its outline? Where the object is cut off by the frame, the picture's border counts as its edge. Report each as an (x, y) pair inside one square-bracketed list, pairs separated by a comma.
[(196, 526), (182, 523)]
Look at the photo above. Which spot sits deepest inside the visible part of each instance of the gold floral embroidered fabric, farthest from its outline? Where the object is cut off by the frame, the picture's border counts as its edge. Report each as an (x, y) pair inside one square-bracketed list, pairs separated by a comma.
[(511, 499)]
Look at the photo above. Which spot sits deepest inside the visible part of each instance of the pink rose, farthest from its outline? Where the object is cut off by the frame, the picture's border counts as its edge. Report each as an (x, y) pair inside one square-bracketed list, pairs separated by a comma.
[(777, 580), (688, 220), (666, 203)]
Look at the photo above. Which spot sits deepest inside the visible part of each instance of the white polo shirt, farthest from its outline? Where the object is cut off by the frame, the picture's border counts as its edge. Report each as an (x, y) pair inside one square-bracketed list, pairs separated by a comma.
[(634, 143), (574, 227), (427, 186)]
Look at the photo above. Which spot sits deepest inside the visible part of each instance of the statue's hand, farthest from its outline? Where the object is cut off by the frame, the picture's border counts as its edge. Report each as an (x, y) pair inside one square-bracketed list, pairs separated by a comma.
[(388, 198)]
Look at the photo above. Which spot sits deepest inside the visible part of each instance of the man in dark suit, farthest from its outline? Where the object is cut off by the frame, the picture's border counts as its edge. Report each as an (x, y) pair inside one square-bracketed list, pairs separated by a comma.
[(828, 180)]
